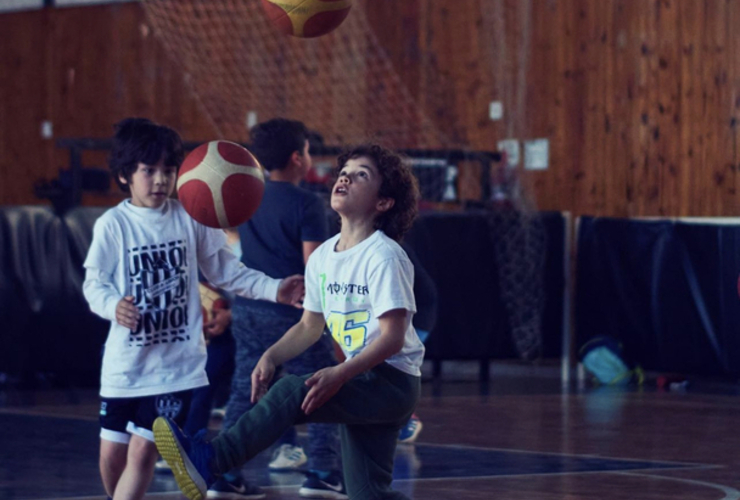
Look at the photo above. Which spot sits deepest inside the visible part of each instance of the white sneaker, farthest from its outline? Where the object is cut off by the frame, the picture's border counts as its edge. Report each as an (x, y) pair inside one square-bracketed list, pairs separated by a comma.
[(329, 487), (162, 466), (218, 412), (410, 431), (288, 457)]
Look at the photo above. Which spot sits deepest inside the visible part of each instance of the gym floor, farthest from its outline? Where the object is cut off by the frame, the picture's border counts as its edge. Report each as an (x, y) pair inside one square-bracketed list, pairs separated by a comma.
[(521, 436)]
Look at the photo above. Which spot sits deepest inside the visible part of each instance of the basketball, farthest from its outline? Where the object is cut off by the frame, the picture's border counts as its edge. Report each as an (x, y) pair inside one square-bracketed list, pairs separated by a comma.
[(306, 18), (220, 184)]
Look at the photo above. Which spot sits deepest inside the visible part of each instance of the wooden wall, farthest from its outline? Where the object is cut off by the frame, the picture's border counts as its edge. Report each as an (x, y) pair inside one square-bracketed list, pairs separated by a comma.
[(639, 98), (83, 69)]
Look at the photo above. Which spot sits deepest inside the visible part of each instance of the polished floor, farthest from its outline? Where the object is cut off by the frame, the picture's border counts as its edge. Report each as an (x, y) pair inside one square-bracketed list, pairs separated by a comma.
[(518, 437)]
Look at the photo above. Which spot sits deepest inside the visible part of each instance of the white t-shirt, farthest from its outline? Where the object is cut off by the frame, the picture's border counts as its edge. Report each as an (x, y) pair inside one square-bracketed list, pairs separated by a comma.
[(153, 254), (355, 287)]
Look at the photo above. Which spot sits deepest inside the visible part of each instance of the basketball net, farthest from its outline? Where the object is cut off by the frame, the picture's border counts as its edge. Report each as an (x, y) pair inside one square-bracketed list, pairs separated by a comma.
[(345, 86), (342, 85)]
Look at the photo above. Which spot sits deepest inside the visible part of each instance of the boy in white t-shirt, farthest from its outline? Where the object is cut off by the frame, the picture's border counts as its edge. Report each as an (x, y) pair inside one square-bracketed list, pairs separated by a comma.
[(142, 275), (360, 284)]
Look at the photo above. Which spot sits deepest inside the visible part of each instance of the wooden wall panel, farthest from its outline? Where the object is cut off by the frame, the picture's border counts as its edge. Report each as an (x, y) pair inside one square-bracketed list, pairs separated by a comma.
[(643, 96), (24, 156), (84, 69), (639, 98)]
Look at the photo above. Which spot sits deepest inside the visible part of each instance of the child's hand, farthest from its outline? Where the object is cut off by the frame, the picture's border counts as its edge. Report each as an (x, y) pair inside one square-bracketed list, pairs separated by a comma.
[(292, 290), (324, 384), (127, 314), (220, 322), (261, 377)]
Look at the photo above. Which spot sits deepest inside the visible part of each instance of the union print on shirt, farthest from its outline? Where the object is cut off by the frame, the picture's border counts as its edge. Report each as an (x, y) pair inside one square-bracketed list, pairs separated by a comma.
[(158, 278)]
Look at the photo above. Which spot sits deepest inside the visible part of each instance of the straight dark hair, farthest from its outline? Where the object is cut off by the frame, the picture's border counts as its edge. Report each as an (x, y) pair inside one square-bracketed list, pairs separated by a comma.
[(273, 141), (139, 140)]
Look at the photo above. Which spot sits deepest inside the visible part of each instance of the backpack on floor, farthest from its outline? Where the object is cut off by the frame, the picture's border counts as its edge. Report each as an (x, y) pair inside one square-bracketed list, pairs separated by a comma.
[(603, 357)]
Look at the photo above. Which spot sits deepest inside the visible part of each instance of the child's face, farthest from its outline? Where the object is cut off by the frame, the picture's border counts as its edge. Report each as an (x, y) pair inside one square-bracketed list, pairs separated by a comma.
[(151, 185), (356, 190)]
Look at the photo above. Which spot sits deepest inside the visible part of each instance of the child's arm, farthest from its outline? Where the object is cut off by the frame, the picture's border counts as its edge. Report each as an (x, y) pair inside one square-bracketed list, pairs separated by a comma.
[(99, 287), (106, 301), (296, 340), (327, 382), (225, 271)]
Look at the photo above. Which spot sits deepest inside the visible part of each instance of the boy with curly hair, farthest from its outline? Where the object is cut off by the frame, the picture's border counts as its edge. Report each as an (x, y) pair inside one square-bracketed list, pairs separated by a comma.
[(360, 284)]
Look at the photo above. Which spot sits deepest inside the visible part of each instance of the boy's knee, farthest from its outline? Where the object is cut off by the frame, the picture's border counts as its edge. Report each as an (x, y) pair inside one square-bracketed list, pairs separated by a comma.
[(288, 388), (142, 453), (289, 383)]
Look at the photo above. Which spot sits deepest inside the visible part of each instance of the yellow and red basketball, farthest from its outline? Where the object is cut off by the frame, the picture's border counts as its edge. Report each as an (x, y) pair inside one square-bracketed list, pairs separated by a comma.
[(220, 184), (306, 18)]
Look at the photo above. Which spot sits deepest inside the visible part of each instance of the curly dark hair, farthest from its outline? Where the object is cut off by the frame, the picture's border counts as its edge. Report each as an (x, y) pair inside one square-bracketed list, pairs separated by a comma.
[(138, 140), (398, 183)]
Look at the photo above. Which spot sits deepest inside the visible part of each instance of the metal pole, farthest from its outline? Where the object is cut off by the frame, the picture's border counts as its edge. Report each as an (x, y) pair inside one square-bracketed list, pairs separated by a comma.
[(567, 301)]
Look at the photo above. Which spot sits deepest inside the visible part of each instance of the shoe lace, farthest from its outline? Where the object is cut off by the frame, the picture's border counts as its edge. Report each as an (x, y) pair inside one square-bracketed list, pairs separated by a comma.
[(279, 450)]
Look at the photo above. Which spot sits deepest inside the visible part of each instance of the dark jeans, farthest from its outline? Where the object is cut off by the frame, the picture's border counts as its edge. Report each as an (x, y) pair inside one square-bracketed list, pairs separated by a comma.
[(255, 329), (372, 406), (219, 368)]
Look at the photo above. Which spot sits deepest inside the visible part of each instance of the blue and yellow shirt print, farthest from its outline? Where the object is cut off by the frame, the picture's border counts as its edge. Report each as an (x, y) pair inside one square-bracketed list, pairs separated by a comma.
[(349, 313)]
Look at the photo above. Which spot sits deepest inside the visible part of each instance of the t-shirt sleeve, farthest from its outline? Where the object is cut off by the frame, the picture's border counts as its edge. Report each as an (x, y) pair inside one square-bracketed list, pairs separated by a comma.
[(210, 240), (425, 294), (225, 271), (312, 300), (99, 288), (391, 286), (106, 241), (314, 226)]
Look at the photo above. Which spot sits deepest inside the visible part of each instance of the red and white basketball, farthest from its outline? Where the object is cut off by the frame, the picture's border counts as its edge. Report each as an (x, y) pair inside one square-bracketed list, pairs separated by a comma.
[(306, 18), (220, 184)]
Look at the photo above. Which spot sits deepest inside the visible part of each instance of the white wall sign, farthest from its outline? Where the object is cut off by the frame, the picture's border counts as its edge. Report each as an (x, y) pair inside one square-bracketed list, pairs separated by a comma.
[(511, 148), (536, 154), (495, 110)]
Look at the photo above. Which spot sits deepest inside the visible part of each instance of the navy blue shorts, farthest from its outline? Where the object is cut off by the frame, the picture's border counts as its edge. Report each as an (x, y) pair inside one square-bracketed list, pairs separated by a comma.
[(121, 417)]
